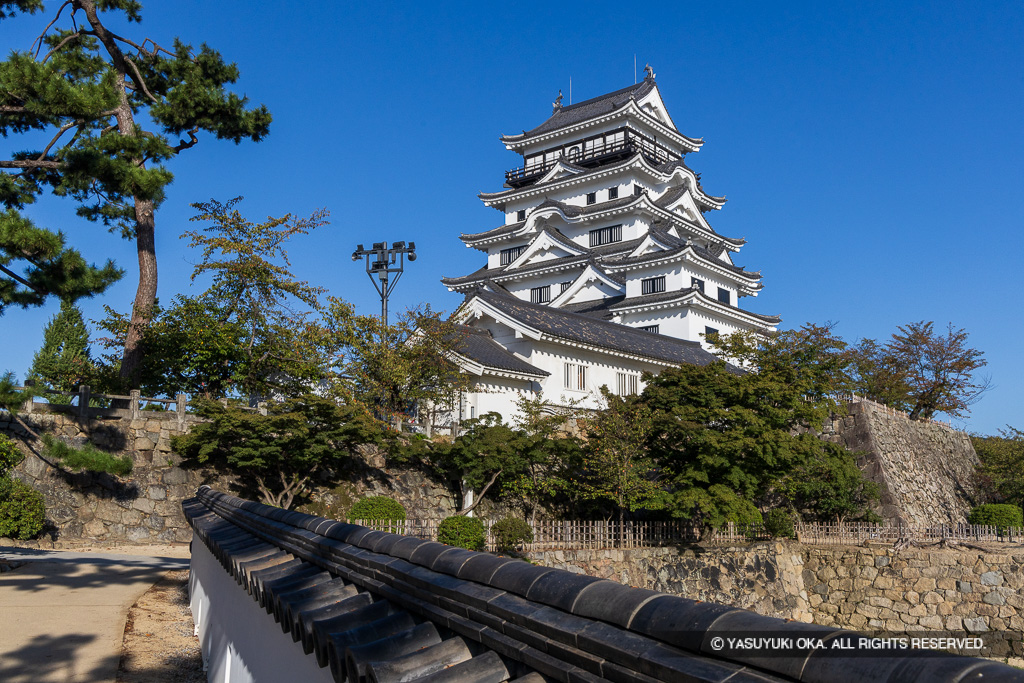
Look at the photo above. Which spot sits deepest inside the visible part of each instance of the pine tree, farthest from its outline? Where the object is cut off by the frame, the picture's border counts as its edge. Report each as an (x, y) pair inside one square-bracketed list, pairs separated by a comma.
[(63, 360), (109, 107)]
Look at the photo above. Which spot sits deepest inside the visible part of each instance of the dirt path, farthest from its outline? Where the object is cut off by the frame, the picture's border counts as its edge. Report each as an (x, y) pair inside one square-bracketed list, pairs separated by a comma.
[(159, 645)]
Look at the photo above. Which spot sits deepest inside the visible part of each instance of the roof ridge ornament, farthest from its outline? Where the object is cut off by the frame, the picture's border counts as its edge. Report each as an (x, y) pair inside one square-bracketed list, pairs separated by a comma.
[(648, 73), (557, 104)]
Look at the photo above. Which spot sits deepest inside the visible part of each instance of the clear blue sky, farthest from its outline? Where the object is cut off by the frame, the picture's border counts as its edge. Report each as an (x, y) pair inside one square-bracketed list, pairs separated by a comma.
[(871, 153)]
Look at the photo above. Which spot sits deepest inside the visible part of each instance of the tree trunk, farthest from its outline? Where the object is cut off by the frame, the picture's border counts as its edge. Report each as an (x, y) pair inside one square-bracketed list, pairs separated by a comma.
[(145, 294)]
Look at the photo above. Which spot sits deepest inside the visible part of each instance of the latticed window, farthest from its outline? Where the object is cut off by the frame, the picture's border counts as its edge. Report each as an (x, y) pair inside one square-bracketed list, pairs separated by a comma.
[(629, 383), (576, 376), (723, 295), (652, 285), (605, 235), (656, 329), (613, 193), (591, 198), (521, 215), (511, 254), (564, 286), (540, 295)]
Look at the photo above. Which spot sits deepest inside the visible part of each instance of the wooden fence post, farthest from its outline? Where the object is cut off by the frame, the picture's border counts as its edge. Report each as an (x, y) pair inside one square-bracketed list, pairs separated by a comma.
[(133, 402), (83, 400)]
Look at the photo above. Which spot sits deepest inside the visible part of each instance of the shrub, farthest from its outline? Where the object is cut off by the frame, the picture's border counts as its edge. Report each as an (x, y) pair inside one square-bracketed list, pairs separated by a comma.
[(779, 523), (998, 515), (462, 532), (9, 455), (511, 532), (377, 509), (22, 511), (742, 511)]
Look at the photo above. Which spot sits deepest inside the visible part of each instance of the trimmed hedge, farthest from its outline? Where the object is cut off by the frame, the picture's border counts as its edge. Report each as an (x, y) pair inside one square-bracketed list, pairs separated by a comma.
[(462, 532), (510, 533), (779, 523), (997, 514), (22, 510), (377, 509)]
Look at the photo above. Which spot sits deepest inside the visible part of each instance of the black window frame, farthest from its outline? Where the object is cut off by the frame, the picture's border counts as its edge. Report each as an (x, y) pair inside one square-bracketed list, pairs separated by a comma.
[(537, 294), (591, 198), (598, 236), (656, 329), (724, 296), (637, 190), (652, 285), (520, 215), (698, 283), (507, 256), (708, 331), (613, 193)]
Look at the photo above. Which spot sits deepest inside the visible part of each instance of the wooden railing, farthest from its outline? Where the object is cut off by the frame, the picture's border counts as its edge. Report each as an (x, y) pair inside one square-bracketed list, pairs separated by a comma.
[(600, 534), (85, 403)]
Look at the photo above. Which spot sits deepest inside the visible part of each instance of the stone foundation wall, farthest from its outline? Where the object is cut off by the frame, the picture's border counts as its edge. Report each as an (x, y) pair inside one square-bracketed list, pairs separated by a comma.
[(925, 470), (911, 590), (144, 507)]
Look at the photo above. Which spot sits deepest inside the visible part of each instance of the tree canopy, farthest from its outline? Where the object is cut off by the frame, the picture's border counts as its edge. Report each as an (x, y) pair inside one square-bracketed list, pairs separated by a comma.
[(63, 361), (102, 114)]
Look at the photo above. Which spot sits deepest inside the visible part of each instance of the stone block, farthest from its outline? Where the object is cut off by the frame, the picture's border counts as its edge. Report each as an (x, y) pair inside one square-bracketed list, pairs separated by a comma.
[(945, 609), (946, 583), (932, 622), (143, 505), (931, 598), (157, 493), (911, 573), (879, 601), (913, 597), (175, 475), (94, 528), (964, 586), (144, 444), (918, 610), (868, 611), (883, 582), (992, 579), (976, 625), (994, 598), (137, 534), (924, 584), (108, 511), (882, 561), (986, 610), (954, 624)]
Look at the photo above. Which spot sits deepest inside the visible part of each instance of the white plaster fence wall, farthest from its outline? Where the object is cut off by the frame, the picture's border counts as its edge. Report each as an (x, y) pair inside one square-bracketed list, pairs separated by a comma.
[(241, 643)]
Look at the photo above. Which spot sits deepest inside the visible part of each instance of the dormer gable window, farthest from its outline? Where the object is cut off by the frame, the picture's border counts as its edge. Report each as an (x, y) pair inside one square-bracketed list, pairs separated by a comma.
[(511, 254), (605, 235)]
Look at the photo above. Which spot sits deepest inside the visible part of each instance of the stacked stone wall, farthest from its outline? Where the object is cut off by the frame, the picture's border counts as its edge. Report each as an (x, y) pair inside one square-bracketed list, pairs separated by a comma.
[(925, 470), (873, 588)]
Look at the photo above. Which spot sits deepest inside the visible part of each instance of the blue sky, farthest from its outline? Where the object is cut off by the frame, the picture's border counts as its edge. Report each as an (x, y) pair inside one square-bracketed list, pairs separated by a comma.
[(871, 152)]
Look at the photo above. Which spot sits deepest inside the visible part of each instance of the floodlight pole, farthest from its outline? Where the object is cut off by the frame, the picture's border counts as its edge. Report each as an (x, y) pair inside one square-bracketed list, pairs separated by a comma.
[(382, 265)]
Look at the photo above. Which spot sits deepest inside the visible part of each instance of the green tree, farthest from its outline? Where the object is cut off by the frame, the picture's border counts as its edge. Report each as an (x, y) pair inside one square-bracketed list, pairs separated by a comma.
[(940, 369), (257, 330), (879, 375), (278, 455), (830, 487), (617, 465), (35, 263), (109, 107), (63, 362), (395, 369), (1001, 472)]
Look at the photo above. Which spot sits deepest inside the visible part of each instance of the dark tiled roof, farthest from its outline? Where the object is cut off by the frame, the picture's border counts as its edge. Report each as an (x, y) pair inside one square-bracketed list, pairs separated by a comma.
[(595, 332), (588, 109), (594, 309), (478, 345), (433, 612), (662, 297)]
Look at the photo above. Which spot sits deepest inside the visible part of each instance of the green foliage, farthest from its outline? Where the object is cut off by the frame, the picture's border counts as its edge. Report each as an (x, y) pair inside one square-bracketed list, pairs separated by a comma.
[(462, 532), (22, 509), (395, 369), (779, 523), (511, 532), (35, 263), (1001, 472), (280, 453), (999, 515), (616, 465), (10, 455), (723, 439), (88, 457), (63, 361), (377, 509), (878, 375), (829, 487), (114, 111)]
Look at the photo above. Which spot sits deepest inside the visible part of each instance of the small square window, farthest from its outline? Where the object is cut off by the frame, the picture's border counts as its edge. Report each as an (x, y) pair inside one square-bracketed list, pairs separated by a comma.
[(708, 331), (521, 215), (591, 198), (656, 329), (565, 285), (723, 295), (697, 284), (613, 193), (540, 295), (637, 190)]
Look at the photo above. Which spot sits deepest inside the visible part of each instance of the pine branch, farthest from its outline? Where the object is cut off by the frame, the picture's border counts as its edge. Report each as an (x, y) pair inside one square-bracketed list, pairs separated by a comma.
[(30, 163), (42, 35)]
